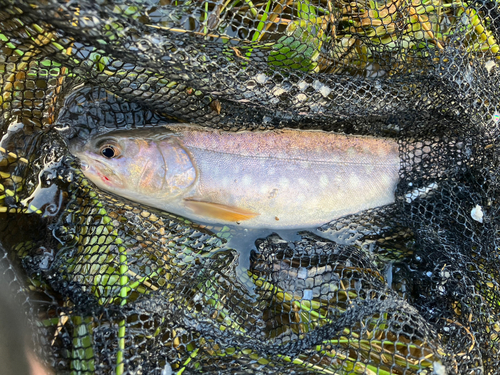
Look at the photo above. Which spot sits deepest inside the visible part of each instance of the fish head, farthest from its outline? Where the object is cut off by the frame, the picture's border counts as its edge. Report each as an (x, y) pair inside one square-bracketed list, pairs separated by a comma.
[(136, 165)]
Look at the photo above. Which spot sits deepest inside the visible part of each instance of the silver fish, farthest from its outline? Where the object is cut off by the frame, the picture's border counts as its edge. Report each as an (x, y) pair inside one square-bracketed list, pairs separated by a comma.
[(272, 179)]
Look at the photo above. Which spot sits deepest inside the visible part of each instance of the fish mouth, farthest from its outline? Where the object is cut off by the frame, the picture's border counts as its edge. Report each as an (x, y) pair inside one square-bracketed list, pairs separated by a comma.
[(96, 170)]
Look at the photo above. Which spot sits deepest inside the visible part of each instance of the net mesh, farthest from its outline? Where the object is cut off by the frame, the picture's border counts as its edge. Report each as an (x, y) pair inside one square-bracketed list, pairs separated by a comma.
[(114, 287)]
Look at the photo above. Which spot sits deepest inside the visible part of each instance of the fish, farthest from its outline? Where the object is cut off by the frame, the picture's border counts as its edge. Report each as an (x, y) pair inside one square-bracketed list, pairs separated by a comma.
[(275, 179)]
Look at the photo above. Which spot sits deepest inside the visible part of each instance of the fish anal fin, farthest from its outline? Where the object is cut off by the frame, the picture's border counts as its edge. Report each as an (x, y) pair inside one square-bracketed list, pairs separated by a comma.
[(219, 211)]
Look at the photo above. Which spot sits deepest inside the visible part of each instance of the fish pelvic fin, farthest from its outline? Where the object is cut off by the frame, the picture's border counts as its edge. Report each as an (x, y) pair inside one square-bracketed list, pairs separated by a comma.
[(219, 211)]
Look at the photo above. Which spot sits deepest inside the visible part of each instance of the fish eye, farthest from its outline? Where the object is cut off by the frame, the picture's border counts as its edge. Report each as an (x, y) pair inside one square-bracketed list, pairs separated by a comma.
[(109, 151)]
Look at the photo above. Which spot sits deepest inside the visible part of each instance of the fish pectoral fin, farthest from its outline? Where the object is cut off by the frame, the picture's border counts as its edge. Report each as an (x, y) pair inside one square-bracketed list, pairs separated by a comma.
[(219, 211)]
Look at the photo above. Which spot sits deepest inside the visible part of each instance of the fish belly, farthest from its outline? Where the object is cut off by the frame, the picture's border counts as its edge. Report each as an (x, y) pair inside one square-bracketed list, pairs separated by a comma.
[(293, 179)]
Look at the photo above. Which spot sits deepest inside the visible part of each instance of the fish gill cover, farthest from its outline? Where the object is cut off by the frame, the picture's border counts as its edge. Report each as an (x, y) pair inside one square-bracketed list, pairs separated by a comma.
[(113, 287)]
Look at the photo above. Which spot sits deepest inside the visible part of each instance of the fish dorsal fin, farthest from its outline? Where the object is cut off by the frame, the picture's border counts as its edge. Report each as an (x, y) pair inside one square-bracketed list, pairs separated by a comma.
[(219, 211)]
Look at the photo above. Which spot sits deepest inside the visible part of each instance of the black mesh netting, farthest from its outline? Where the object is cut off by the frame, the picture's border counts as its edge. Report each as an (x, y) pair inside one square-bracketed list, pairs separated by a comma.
[(113, 287)]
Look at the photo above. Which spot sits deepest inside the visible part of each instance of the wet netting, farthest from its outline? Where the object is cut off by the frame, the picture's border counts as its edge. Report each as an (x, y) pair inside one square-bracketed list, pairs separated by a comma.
[(115, 287)]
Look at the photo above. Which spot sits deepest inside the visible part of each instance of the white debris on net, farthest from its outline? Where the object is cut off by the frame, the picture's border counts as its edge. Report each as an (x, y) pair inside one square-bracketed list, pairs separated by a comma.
[(302, 85), (167, 370), (477, 213), (325, 91), (490, 65), (278, 90), (261, 78), (420, 192), (321, 88), (301, 97), (439, 368)]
